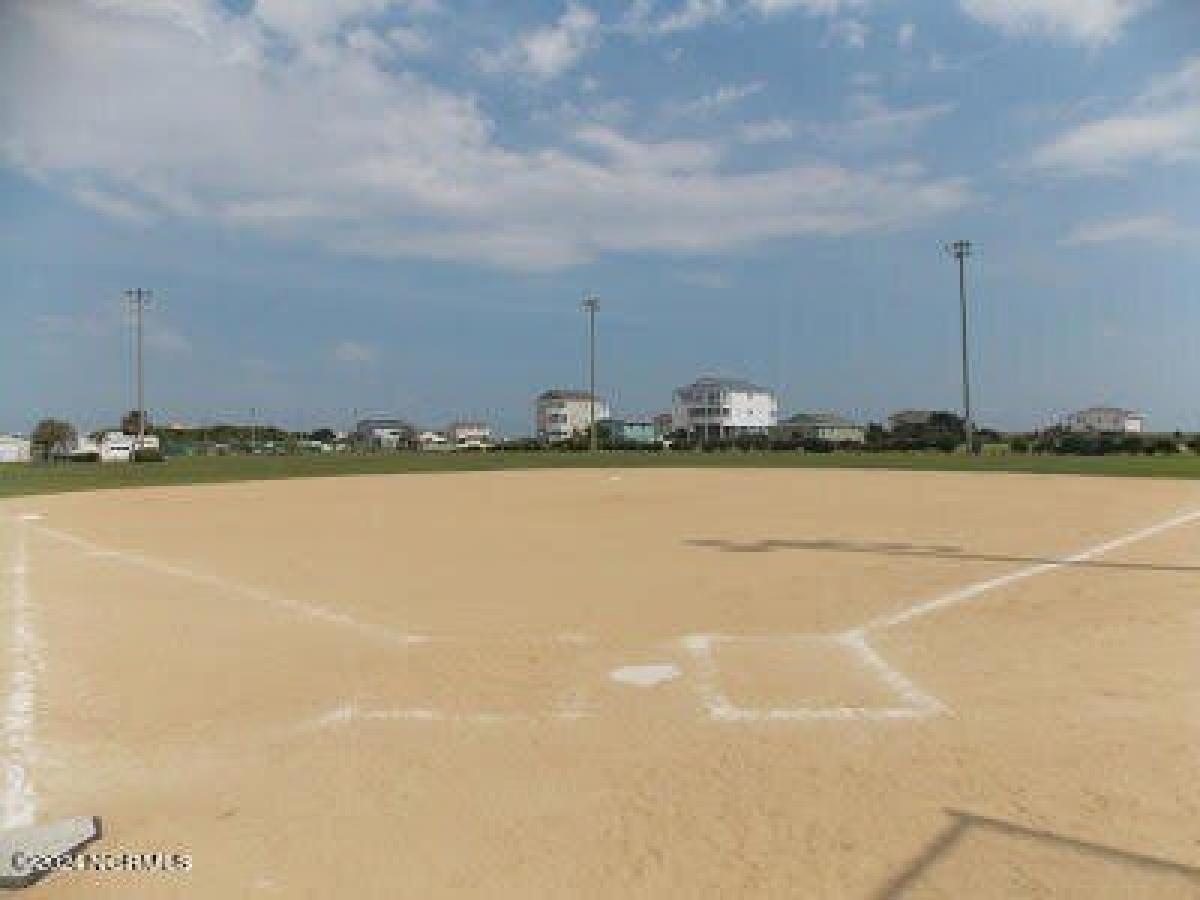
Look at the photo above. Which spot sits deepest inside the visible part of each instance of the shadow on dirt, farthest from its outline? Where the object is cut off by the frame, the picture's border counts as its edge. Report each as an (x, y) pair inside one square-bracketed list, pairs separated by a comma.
[(925, 551)]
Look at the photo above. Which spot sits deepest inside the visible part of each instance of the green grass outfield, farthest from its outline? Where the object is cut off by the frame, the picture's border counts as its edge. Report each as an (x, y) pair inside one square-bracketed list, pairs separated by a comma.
[(20, 480)]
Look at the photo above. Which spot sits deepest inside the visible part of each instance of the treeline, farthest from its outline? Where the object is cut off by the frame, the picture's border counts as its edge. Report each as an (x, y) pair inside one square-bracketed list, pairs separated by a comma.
[(1066, 443)]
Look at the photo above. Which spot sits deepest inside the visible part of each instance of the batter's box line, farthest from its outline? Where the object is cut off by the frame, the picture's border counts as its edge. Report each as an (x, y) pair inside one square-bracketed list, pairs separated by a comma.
[(571, 709), (917, 703)]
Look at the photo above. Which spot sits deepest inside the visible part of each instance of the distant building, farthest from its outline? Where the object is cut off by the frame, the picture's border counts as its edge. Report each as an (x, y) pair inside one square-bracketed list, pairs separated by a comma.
[(910, 418), (15, 449), (433, 440), (714, 408), (1106, 420), (469, 435), (385, 434), (561, 414), (822, 427), (112, 446), (628, 431)]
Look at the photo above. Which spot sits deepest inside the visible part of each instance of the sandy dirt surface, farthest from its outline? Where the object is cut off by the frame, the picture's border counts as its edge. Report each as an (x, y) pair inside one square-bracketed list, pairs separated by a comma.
[(868, 684)]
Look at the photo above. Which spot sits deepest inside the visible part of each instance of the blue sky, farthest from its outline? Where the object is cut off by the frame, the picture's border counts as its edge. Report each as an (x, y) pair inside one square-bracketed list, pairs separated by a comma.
[(394, 206)]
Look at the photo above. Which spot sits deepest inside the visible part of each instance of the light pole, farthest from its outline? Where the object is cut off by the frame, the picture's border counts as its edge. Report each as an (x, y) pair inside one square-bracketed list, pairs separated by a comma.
[(591, 303), (138, 299), (960, 250)]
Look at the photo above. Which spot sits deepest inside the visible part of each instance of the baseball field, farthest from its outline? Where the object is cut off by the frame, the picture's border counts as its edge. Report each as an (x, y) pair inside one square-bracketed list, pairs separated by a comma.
[(612, 682)]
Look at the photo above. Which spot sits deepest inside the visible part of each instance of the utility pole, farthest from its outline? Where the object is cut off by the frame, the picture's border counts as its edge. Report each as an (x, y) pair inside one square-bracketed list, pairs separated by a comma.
[(960, 250), (591, 303), (138, 299), (253, 430)]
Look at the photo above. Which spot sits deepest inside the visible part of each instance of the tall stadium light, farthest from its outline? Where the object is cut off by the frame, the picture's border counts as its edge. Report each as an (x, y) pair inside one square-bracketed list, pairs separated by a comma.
[(591, 303), (960, 250), (138, 299)]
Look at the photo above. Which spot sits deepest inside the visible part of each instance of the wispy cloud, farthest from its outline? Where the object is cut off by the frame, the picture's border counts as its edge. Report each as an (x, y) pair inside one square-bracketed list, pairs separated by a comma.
[(1153, 229), (547, 51), (1089, 22), (871, 123), (850, 33), (715, 101), (1161, 125), (113, 206), (643, 16), (396, 165)]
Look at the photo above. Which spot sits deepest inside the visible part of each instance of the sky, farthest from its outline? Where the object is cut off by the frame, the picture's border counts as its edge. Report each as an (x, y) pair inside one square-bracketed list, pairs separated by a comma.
[(352, 207)]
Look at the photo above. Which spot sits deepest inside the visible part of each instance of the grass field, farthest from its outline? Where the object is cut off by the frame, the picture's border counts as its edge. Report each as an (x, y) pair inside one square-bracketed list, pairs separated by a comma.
[(24, 480)]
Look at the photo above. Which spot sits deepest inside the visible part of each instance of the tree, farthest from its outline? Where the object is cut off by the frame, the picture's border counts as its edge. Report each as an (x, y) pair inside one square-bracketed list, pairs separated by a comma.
[(324, 435), (53, 436), (131, 420)]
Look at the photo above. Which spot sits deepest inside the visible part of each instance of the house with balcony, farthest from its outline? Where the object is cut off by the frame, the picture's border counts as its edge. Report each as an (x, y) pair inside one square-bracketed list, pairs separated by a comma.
[(723, 408), (561, 414)]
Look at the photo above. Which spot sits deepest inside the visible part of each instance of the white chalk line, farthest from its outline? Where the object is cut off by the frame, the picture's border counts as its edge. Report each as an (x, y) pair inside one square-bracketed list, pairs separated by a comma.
[(348, 714), (18, 806), (574, 705), (970, 592), (311, 611), (916, 703)]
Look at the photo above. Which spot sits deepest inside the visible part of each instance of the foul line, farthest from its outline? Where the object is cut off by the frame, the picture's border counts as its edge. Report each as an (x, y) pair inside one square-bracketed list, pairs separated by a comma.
[(19, 803), (306, 610), (970, 592)]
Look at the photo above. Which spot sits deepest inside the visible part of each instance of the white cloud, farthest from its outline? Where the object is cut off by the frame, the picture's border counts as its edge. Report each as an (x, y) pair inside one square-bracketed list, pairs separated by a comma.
[(1155, 229), (691, 14), (1161, 126), (1089, 22), (849, 33), (549, 50), (354, 353), (812, 7), (870, 122), (309, 21), (723, 97), (112, 205), (199, 117), (905, 35)]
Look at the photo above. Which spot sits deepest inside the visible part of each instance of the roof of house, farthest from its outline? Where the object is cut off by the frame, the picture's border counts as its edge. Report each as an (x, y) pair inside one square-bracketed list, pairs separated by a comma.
[(726, 384), (820, 420), (399, 424), (1109, 410), (913, 415), (568, 394)]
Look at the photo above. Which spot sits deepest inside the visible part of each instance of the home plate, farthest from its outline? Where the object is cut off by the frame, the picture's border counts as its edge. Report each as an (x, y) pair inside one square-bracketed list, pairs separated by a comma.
[(645, 676), (27, 854)]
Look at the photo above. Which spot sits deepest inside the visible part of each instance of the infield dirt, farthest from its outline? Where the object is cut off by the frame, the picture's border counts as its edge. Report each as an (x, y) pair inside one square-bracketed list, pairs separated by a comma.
[(400, 686)]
